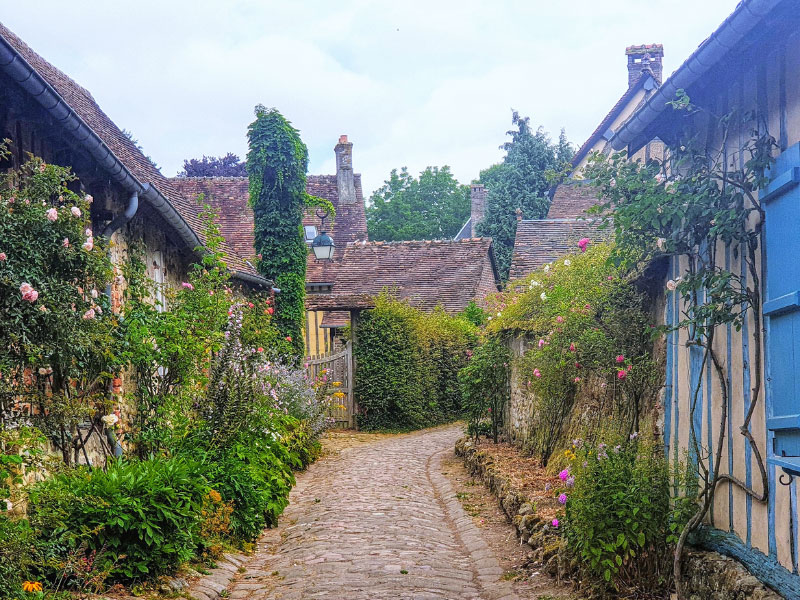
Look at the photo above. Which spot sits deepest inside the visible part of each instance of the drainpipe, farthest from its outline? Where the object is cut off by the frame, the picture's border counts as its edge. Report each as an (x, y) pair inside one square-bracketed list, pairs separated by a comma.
[(116, 223)]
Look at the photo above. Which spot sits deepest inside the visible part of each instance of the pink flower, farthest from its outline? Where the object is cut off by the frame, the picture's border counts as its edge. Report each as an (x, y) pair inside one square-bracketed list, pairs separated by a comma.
[(210, 292), (563, 475), (288, 338), (88, 232), (65, 243), (572, 347), (260, 349), (250, 305), (188, 286), (88, 245), (89, 314), (554, 523), (76, 212), (89, 199), (562, 498), (577, 365), (559, 319), (3, 256), (28, 293), (610, 277), (537, 373), (620, 358), (270, 310), (52, 214), (577, 380), (621, 375), (42, 167), (582, 243), (541, 343)]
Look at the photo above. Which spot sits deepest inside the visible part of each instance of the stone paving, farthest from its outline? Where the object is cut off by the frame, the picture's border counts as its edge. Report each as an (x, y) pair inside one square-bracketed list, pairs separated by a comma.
[(376, 522)]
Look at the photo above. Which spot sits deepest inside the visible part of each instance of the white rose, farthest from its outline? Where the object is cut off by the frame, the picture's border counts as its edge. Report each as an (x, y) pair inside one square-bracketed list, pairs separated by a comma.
[(110, 420), (671, 285), (660, 243), (76, 212), (543, 296), (567, 262)]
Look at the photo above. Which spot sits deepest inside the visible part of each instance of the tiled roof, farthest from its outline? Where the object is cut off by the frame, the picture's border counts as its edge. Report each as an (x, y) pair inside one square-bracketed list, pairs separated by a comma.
[(83, 104), (465, 232), (230, 196), (335, 319), (426, 273), (572, 199), (542, 241), (604, 125)]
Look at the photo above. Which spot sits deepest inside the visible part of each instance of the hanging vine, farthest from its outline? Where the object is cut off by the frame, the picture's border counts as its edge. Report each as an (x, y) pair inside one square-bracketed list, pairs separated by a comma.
[(696, 202), (276, 165)]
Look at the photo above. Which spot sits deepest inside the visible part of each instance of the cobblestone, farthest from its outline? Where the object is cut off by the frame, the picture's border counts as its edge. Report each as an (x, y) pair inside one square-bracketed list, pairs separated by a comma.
[(378, 521)]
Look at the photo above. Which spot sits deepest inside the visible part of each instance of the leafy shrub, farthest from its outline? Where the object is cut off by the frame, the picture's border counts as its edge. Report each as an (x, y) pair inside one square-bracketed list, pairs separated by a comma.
[(141, 515), (484, 385), (408, 363), (589, 348), (619, 515), (16, 554)]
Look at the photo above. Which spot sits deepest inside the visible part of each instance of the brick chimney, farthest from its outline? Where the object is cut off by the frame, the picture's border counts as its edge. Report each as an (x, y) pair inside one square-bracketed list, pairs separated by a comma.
[(345, 181), (477, 195), (646, 57)]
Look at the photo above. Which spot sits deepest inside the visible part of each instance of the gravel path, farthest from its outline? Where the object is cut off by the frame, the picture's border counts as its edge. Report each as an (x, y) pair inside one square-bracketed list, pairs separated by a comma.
[(377, 521)]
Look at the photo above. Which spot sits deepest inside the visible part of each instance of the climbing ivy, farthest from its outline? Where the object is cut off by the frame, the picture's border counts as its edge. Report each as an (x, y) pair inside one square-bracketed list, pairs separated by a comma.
[(276, 165)]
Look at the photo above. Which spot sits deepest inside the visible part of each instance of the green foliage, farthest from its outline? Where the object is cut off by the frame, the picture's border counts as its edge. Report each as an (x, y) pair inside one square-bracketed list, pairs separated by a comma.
[(475, 314), (277, 163), (589, 345), (141, 516), (408, 363), (619, 517), (484, 386), (433, 207), (17, 555), (521, 181)]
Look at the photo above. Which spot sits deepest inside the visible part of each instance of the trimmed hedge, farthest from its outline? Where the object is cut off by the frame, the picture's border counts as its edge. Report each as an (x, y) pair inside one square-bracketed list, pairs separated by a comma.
[(407, 365)]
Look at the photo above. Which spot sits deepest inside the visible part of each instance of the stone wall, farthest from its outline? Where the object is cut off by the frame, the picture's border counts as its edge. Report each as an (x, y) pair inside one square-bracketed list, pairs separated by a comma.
[(519, 411)]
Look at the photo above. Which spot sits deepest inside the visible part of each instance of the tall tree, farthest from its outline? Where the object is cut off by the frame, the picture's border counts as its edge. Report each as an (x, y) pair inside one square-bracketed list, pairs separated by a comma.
[(520, 181), (276, 164), (434, 206), (212, 166)]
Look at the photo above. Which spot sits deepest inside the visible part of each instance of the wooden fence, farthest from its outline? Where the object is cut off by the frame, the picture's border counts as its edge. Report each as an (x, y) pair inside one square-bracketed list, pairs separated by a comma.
[(337, 366)]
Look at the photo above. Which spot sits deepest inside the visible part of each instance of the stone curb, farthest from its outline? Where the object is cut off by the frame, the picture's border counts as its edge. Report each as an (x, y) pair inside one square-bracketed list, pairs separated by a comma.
[(486, 569), (211, 586)]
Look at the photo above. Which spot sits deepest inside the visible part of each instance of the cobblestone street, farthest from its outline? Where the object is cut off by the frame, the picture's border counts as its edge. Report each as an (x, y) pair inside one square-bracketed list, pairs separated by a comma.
[(376, 521)]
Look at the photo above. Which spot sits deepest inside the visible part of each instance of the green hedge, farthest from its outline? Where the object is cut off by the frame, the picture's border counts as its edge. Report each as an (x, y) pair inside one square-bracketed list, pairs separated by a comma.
[(407, 365)]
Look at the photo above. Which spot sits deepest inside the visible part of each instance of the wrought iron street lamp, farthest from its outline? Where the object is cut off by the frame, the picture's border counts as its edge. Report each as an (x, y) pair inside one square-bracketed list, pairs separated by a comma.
[(323, 245)]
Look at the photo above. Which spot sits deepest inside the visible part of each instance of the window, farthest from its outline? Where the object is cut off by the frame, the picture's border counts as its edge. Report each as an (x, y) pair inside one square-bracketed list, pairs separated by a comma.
[(782, 303)]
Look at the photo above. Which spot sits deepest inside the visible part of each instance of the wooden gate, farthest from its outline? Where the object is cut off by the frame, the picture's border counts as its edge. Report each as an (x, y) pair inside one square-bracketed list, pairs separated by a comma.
[(337, 366)]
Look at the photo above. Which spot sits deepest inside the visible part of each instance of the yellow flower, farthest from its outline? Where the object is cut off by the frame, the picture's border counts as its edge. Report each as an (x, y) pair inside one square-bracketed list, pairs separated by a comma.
[(338, 394), (214, 495), (337, 383), (31, 586)]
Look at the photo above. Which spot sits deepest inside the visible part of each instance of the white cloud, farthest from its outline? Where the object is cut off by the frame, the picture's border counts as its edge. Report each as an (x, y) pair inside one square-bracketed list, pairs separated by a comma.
[(416, 83)]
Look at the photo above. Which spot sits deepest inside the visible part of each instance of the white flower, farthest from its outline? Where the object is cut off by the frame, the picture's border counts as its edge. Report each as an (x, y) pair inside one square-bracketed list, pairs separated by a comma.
[(660, 243), (543, 296), (498, 314), (94, 293), (567, 262), (547, 267), (89, 314), (489, 318), (671, 285), (76, 212), (89, 198), (88, 232), (52, 214), (534, 284), (110, 420), (88, 244)]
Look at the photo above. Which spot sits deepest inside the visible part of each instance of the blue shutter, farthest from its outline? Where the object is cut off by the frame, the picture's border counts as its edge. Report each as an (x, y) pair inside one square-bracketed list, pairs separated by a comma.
[(782, 304)]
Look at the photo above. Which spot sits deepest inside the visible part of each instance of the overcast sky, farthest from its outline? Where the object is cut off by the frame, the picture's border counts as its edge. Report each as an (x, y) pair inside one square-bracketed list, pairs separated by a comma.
[(412, 83)]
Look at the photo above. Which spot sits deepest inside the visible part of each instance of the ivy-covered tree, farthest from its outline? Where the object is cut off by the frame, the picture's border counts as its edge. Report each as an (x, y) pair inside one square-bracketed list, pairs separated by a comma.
[(520, 181), (276, 164), (434, 206), (212, 166)]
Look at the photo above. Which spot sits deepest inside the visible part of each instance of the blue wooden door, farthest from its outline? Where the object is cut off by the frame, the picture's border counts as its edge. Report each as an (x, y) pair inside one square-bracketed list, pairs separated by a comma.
[(782, 303)]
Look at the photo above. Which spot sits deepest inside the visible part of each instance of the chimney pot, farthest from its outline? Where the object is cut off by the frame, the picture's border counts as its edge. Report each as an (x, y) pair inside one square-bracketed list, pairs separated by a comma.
[(646, 57)]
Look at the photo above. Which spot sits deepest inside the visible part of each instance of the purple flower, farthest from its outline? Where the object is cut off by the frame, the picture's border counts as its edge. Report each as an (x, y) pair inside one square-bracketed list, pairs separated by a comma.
[(555, 523), (562, 499), (563, 475), (571, 482), (547, 487)]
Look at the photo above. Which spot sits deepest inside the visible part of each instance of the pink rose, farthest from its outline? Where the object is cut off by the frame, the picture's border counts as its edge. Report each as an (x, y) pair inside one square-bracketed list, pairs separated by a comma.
[(537, 373), (577, 380), (87, 232), (541, 343), (65, 243), (572, 347), (621, 375), (28, 293), (620, 358), (89, 199), (76, 212), (89, 314), (52, 214), (88, 244), (188, 286), (582, 243), (3, 256), (559, 319)]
